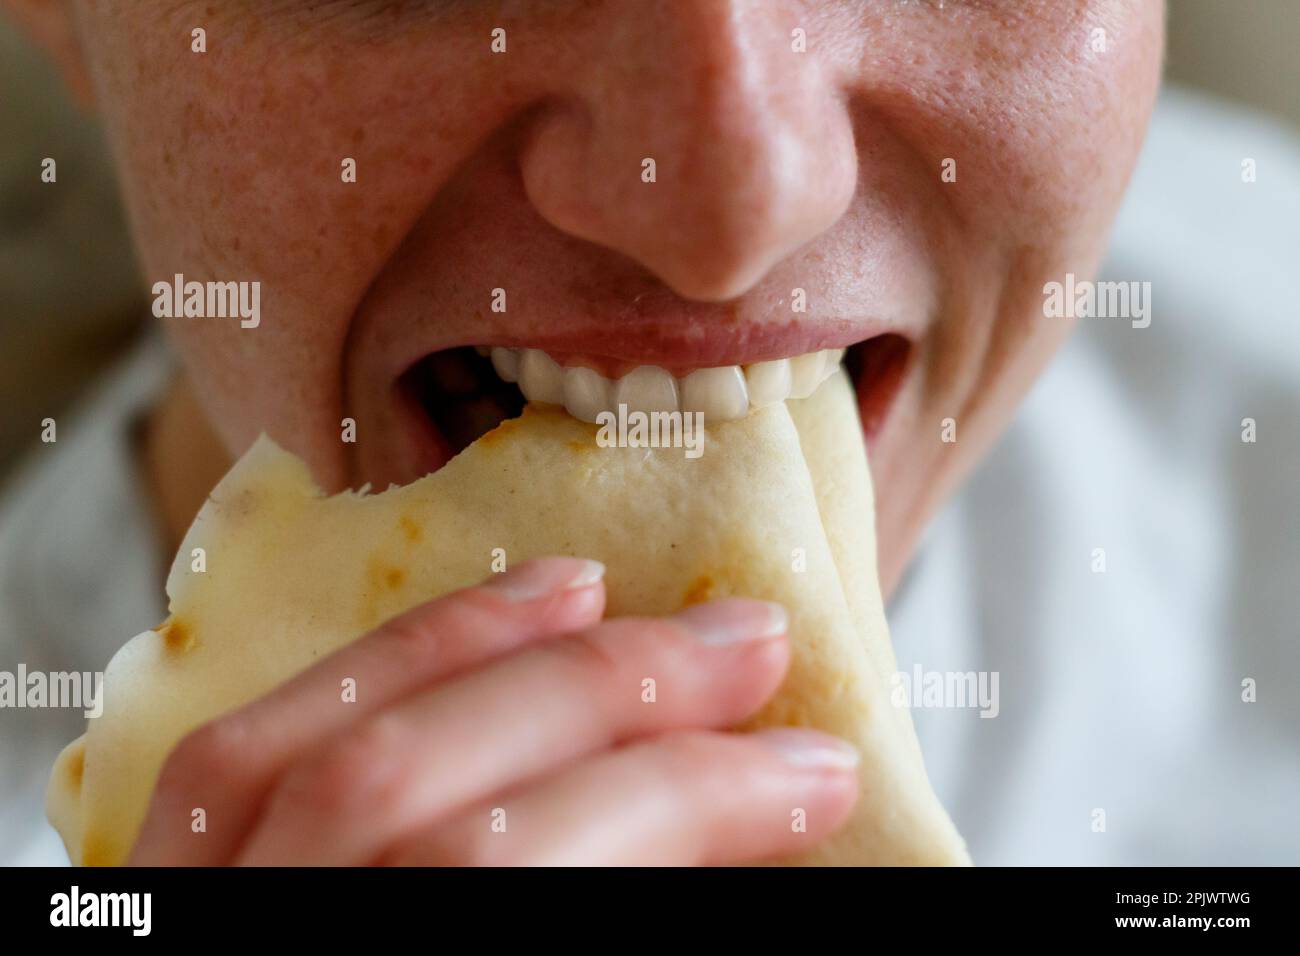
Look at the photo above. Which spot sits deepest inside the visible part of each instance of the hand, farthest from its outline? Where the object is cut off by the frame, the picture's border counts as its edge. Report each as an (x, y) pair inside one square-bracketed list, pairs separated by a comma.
[(505, 724)]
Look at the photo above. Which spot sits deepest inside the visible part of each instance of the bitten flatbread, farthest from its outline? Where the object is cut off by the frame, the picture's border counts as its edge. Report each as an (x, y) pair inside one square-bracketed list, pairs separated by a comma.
[(778, 507)]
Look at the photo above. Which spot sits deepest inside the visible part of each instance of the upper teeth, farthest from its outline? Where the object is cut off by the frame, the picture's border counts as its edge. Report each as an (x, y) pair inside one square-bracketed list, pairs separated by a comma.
[(721, 394)]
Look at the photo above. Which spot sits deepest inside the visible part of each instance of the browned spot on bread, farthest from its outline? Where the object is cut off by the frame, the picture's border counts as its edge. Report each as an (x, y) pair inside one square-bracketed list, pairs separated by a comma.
[(411, 529), (531, 410), (77, 766), (177, 636), (98, 850), (702, 589), (493, 437), (243, 504), (380, 576)]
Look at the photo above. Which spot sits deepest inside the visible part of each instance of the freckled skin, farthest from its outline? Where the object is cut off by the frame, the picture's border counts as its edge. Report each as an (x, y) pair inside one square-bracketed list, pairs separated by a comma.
[(775, 170)]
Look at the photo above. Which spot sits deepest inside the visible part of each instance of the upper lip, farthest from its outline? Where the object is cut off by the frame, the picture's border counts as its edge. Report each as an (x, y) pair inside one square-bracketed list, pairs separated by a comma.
[(678, 348)]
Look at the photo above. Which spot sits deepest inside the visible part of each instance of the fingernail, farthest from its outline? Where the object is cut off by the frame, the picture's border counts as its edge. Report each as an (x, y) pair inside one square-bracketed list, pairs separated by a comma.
[(811, 748), (542, 576), (734, 619)]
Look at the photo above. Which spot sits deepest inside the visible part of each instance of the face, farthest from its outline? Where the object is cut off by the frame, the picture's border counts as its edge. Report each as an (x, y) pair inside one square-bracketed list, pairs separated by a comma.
[(911, 180)]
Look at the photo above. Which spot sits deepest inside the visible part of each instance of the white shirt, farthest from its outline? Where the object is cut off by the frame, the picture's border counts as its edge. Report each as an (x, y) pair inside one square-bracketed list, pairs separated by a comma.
[(1122, 691), (1119, 691), (80, 574)]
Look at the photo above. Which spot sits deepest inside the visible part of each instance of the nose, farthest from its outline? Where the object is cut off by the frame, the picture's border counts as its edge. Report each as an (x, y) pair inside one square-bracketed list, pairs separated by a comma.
[(694, 138)]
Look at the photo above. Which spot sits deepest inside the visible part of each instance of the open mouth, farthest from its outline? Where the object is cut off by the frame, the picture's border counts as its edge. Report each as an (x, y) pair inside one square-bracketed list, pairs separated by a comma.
[(467, 391)]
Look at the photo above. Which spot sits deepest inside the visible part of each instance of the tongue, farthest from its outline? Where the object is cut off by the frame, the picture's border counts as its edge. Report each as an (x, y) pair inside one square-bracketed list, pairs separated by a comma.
[(293, 575)]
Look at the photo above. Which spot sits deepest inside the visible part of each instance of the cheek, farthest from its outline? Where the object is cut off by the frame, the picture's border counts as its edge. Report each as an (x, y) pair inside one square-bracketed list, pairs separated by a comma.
[(232, 166), (1056, 123), (1044, 127), (1037, 109), (1068, 128), (1042, 115), (232, 160)]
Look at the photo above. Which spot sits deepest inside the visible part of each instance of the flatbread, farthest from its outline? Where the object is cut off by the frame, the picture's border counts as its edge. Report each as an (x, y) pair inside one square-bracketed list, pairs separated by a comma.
[(292, 575)]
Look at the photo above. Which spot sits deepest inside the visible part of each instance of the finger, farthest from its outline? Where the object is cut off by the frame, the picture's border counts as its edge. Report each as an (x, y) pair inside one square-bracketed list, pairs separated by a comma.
[(225, 766), (709, 666), (688, 798)]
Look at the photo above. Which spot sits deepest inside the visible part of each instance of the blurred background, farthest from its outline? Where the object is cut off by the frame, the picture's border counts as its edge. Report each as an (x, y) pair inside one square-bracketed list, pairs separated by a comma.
[(70, 297)]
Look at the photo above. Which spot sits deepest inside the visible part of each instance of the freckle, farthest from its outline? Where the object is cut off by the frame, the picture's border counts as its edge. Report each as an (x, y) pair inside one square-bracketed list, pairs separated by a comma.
[(234, 244), (359, 135)]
